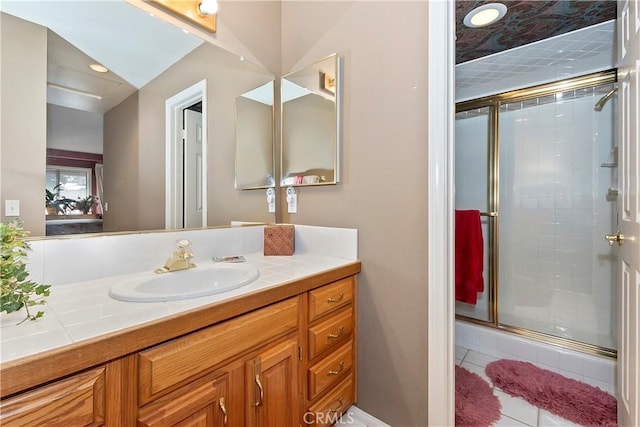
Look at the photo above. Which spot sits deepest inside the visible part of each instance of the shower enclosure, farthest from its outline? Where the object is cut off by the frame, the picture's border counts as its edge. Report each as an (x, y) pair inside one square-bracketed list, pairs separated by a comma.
[(540, 164)]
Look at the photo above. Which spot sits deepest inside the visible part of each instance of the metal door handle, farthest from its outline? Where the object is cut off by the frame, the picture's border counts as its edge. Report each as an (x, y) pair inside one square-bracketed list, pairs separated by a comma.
[(223, 408), (259, 383), (612, 238)]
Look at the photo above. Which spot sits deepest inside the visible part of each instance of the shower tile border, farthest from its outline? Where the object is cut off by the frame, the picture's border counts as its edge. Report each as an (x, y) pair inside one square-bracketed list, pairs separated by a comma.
[(594, 370)]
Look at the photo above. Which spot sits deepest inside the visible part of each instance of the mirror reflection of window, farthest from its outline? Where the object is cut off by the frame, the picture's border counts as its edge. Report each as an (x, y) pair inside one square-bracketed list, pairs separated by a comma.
[(74, 183)]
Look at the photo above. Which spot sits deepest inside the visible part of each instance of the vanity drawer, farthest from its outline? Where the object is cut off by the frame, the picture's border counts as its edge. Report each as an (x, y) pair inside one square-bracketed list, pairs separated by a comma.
[(174, 362), (330, 297), (330, 332), (328, 409), (78, 400), (330, 369)]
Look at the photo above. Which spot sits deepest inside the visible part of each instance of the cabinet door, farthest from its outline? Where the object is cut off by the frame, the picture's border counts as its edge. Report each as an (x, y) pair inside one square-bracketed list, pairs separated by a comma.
[(201, 403), (272, 389)]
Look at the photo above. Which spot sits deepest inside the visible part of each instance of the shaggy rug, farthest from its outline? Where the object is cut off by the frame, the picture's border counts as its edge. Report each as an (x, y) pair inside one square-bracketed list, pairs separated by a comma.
[(476, 405), (568, 398)]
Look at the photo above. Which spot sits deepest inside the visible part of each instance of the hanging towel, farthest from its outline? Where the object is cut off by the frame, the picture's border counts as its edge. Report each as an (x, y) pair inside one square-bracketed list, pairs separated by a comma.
[(469, 260)]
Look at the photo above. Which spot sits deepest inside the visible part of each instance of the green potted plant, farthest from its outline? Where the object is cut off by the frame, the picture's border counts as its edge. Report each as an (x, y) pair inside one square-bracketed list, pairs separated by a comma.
[(56, 203), (16, 290), (85, 205)]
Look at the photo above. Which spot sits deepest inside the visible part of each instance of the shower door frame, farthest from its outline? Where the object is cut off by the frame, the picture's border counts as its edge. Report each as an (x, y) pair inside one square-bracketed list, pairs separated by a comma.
[(494, 102)]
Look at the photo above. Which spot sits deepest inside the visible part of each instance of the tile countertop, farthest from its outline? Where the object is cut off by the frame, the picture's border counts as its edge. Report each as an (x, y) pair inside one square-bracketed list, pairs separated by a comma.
[(81, 311)]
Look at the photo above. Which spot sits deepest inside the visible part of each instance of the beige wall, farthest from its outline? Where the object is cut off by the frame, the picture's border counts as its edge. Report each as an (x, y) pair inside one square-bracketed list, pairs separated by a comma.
[(254, 142), (23, 82), (383, 193), (308, 134), (120, 174)]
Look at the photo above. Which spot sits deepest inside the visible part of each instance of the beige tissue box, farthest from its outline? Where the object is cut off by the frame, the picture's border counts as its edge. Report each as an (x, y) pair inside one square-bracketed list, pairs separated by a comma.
[(279, 239)]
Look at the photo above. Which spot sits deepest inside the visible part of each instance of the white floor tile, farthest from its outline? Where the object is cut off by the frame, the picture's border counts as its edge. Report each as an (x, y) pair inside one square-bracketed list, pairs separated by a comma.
[(547, 419), (480, 359), (505, 421), (517, 408), (461, 352)]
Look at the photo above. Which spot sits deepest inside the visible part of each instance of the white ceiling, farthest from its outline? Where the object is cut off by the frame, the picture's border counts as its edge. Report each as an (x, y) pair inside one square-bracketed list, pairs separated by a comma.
[(134, 45), (576, 53)]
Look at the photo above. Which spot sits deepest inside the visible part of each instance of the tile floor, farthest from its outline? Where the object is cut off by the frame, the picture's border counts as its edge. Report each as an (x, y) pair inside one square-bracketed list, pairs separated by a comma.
[(515, 411)]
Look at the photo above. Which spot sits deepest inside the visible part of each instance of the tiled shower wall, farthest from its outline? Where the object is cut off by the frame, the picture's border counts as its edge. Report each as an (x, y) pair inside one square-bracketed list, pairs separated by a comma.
[(556, 270)]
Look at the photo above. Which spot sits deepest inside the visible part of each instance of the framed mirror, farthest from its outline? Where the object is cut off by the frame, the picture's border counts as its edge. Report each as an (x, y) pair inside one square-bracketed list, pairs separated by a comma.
[(112, 125), (254, 138), (311, 124)]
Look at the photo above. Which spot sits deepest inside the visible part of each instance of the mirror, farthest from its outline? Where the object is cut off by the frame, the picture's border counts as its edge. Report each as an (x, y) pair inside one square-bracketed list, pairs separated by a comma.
[(311, 124), (114, 122), (254, 138)]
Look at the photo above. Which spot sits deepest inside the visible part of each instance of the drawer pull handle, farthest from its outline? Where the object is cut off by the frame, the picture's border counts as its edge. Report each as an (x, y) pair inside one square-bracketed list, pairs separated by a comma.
[(337, 371), (338, 299), (338, 335), (223, 408), (340, 403), (259, 383)]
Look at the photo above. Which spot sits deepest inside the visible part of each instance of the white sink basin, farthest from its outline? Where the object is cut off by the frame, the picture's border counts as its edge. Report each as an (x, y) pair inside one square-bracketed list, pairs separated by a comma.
[(185, 284)]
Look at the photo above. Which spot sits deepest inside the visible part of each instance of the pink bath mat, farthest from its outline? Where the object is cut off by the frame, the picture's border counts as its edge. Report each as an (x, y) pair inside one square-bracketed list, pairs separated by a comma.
[(476, 405), (568, 398)]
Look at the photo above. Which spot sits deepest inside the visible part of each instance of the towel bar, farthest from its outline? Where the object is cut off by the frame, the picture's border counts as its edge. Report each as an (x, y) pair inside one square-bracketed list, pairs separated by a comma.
[(493, 214)]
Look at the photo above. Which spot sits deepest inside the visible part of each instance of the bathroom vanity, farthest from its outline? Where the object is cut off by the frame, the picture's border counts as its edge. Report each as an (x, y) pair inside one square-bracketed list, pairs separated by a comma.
[(276, 355)]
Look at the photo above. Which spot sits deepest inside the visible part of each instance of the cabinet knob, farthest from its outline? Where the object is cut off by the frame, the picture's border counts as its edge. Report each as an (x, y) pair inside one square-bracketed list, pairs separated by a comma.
[(338, 335), (337, 371), (340, 402), (337, 299)]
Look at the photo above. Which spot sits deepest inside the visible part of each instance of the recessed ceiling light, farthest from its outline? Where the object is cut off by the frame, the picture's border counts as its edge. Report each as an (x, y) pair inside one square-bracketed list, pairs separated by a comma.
[(99, 68), (485, 15)]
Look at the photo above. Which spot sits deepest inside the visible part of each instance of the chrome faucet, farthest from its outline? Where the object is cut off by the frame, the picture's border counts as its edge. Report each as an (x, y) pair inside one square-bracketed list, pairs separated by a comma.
[(180, 260)]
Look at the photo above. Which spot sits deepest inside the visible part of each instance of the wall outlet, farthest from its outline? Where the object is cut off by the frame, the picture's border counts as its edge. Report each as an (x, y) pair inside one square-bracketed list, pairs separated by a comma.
[(12, 208)]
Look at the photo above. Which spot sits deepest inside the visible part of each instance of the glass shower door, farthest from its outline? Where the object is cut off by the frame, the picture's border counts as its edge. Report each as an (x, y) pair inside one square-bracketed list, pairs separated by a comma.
[(472, 166), (557, 181)]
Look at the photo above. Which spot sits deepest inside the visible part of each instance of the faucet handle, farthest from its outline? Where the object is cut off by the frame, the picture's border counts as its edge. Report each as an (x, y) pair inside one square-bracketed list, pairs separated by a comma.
[(184, 249), (183, 243)]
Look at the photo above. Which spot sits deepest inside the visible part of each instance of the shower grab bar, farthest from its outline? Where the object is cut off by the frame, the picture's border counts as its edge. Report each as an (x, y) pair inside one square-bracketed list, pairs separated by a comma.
[(492, 214)]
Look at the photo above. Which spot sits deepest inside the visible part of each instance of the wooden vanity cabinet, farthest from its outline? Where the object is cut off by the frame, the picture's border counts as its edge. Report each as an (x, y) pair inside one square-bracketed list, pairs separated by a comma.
[(272, 386), (94, 397), (241, 372), (201, 403), (331, 365), (291, 362)]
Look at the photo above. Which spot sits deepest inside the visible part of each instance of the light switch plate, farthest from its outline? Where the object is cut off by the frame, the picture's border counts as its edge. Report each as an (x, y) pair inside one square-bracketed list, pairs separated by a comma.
[(12, 207)]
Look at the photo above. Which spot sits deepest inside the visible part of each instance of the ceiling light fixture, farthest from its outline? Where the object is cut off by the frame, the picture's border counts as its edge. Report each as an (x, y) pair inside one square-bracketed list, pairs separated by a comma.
[(202, 13), (74, 91), (99, 68), (208, 7), (485, 15)]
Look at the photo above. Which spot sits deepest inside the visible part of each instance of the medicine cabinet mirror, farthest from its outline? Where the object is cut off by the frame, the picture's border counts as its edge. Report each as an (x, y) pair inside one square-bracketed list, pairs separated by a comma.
[(254, 138), (311, 124)]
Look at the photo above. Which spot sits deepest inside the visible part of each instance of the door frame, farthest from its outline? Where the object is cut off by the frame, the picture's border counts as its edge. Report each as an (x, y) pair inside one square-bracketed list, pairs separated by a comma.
[(173, 136), (440, 116)]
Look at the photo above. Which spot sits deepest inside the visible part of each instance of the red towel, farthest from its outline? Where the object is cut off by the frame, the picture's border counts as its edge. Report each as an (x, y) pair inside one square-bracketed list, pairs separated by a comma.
[(469, 256)]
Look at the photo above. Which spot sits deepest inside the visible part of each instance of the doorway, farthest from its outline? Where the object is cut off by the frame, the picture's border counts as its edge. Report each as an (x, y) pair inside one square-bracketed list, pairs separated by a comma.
[(186, 158)]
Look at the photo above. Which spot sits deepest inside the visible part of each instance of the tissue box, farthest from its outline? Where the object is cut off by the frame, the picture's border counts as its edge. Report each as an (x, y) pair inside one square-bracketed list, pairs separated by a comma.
[(279, 239)]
